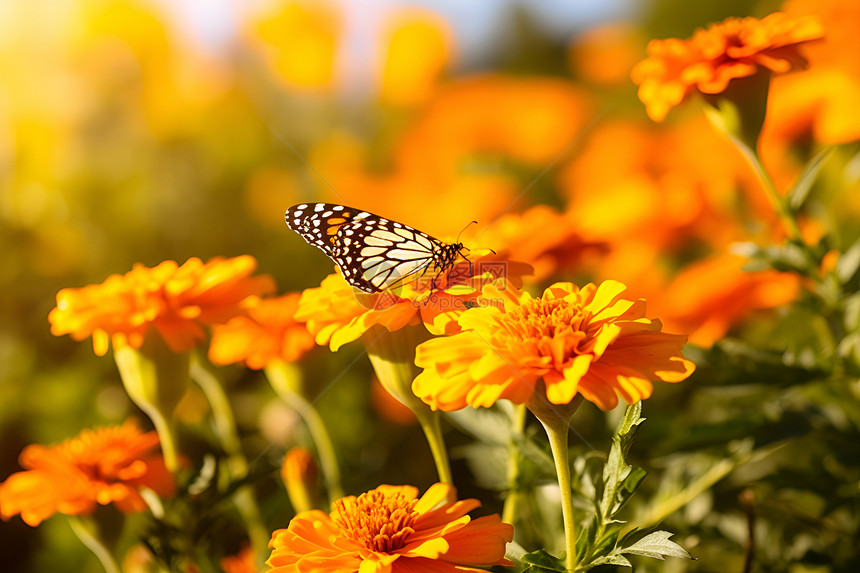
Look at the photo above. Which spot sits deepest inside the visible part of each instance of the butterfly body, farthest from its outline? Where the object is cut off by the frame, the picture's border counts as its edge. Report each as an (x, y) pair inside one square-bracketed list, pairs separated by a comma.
[(372, 252)]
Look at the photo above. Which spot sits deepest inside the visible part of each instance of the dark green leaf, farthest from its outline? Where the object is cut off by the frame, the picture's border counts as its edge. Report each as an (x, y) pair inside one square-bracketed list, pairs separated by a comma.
[(540, 560)]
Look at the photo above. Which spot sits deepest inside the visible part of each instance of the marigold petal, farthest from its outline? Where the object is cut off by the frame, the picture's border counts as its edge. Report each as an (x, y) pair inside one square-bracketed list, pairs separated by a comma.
[(561, 388), (436, 495), (598, 387), (604, 296), (481, 541)]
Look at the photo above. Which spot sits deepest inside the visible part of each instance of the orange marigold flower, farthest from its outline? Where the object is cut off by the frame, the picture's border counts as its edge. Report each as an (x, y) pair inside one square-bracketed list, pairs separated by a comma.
[(391, 529), (818, 104), (269, 331), (336, 313), (541, 235), (734, 48), (589, 341), (710, 296), (175, 300), (242, 562), (98, 467)]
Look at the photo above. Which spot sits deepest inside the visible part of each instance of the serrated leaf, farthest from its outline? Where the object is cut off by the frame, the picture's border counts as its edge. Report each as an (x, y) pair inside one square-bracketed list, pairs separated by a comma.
[(657, 545), (632, 418), (540, 560), (800, 191), (614, 559), (617, 470), (628, 487), (618, 560)]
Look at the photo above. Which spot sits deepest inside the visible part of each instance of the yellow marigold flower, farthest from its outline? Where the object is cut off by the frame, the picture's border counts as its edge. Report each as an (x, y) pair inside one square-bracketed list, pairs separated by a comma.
[(336, 313), (269, 331), (299, 41), (174, 300), (589, 341), (734, 48), (391, 529), (98, 467), (418, 48)]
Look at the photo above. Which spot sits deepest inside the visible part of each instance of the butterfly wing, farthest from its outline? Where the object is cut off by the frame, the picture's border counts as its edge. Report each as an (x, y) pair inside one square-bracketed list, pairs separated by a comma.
[(318, 223), (373, 253)]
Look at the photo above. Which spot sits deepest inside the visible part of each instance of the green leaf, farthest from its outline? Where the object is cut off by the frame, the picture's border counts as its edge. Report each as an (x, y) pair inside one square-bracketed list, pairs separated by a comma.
[(487, 425), (657, 545), (629, 426), (800, 191), (616, 560), (848, 263), (540, 560), (616, 489)]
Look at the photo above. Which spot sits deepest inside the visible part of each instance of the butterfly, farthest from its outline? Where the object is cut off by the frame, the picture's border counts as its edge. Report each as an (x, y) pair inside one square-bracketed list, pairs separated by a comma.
[(373, 253)]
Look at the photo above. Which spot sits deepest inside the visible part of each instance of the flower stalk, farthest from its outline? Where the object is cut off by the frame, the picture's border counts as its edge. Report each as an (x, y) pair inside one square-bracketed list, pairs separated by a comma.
[(739, 112), (225, 429), (556, 422), (155, 379), (285, 378), (83, 529), (512, 501), (392, 355)]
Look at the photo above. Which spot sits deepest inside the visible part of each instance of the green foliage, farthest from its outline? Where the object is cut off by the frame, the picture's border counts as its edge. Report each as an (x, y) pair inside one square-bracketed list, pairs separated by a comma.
[(604, 539)]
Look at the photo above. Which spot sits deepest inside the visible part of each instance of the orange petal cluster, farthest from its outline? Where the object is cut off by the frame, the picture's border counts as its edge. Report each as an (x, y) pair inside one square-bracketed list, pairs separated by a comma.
[(543, 236), (708, 297), (336, 313), (98, 467), (177, 301), (268, 331), (242, 562), (713, 57), (589, 341), (391, 529)]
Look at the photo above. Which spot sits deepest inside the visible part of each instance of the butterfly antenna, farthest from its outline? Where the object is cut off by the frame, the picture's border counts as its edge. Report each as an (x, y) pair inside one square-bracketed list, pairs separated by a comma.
[(464, 229)]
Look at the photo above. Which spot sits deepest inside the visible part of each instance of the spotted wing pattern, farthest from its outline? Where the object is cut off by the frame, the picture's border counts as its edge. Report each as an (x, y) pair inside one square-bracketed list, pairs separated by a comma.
[(373, 253)]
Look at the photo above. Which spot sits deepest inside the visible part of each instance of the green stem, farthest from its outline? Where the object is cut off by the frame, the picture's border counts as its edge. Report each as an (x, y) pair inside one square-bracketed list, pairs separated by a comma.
[(779, 203), (167, 440), (284, 378), (430, 423), (156, 378), (225, 429), (392, 355), (84, 532), (555, 419), (557, 434), (512, 501)]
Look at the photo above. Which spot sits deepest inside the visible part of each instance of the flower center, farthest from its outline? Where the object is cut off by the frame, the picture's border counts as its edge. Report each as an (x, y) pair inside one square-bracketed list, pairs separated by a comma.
[(539, 318), (380, 522)]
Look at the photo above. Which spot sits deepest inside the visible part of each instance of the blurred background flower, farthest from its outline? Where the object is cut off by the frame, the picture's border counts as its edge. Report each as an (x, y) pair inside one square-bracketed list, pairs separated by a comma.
[(141, 131)]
